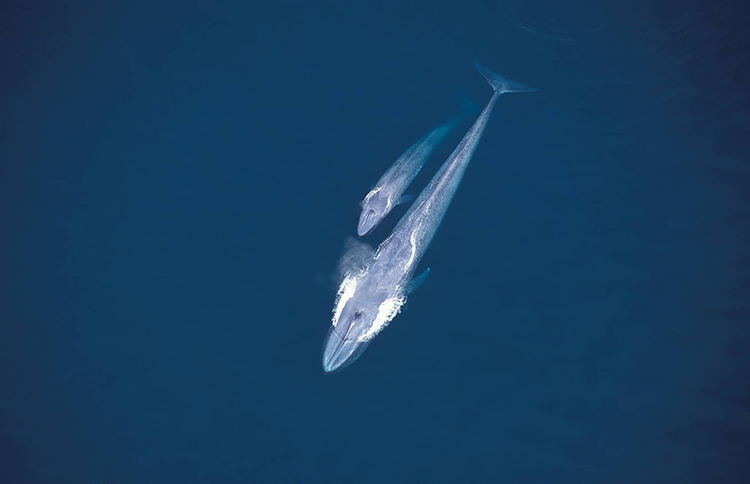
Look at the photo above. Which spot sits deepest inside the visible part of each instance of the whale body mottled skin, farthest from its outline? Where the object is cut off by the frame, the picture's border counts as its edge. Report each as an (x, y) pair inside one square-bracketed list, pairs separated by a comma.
[(389, 190), (369, 298)]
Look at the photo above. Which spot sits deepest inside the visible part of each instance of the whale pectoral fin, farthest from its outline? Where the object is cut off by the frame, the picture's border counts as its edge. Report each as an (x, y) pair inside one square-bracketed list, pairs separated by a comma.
[(417, 281), (354, 258), (405, 199)]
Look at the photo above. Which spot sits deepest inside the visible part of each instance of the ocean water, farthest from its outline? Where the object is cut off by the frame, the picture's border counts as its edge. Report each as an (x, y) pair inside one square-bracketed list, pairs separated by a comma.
[(177, 180)]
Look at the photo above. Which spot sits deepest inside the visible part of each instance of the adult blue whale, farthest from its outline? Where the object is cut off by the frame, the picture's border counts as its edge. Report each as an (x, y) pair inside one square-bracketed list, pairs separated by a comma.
[(389, 190), (370, 297)]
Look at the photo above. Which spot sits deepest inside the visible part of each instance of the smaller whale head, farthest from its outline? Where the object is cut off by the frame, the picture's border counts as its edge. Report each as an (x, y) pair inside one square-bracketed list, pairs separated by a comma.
[(375, 207)]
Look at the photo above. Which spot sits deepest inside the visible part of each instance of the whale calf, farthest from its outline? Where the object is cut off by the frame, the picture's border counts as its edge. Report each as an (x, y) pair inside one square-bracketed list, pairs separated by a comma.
[(373, 294), (389, 190)]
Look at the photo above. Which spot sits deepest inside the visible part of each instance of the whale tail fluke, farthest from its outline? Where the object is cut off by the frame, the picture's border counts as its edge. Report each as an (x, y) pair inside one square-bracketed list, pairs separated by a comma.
[(501, 84)]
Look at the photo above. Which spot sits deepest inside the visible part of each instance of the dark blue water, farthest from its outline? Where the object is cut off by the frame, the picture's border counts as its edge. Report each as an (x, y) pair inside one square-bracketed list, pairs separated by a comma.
[(177, 180)]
